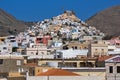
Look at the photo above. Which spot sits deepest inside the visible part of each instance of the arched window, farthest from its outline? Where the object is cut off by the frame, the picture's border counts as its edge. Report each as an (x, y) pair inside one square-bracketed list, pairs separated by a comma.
[(75, 47), (37, 53), (102, 52)]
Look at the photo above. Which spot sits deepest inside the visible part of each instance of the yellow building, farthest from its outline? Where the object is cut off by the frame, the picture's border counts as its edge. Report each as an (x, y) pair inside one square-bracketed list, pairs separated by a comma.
[(34, 69)]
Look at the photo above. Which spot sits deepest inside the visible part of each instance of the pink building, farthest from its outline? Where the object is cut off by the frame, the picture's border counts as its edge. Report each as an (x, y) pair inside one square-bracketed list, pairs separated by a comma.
[(43, 39), (115, 41)]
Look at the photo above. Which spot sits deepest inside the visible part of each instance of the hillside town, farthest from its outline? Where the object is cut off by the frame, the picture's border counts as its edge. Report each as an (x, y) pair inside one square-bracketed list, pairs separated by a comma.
[(61, 48)]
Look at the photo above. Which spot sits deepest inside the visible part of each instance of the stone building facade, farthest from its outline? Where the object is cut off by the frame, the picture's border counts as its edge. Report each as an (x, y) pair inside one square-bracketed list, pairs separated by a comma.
[(113, 68)]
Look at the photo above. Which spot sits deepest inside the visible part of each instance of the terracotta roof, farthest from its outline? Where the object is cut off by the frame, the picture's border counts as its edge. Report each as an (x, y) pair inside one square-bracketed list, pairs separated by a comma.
[(57, 72), (103, 58), (31, 64)]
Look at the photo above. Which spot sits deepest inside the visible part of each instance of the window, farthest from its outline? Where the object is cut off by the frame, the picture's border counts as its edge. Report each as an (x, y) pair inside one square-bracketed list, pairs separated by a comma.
[(74, 64), (38, 70), (37, 53), (111, 69), (18, 63), (4, 48), (85, 47), (95, 49), (72, 47), (42, 53), (110, 49), (32, 53), (33, 72), (1, 61), (118, 69), (117, 44), (96, 52), (75, 47), (102, 51)]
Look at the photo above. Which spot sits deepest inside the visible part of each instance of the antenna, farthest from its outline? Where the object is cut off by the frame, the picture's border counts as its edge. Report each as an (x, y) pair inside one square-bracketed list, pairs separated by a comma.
[(62, 9)]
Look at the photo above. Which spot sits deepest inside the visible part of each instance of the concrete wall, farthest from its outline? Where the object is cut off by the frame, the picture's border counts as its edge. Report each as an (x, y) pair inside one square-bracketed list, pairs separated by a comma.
[(65, 78), (11, 65), (16, 78), (33, 51), (102, 74), (36, 78)]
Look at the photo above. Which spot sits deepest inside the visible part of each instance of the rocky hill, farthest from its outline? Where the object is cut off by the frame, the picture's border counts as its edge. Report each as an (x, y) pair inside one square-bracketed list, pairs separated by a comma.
[(9, 24), (66, 26), (108, 21)]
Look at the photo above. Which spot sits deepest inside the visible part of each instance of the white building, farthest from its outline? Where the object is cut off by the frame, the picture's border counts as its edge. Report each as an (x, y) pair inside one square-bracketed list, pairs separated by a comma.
[(113, 50), (39, 51), (70, 53), (5, 48)]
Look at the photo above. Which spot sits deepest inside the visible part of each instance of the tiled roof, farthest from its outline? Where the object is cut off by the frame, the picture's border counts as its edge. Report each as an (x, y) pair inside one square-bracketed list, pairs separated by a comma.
[(31, 64), (103, 58), (57, 72)]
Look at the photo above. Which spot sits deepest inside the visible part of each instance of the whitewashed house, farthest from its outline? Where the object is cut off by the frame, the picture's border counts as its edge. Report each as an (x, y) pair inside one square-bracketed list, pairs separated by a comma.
[(70, 53), (5, 48)]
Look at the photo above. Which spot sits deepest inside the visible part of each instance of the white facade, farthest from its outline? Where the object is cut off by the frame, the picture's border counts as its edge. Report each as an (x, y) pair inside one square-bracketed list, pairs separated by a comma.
[(39, 51), (42, 56), (70, 53), (65, 78), (112, 50), (5, 48)]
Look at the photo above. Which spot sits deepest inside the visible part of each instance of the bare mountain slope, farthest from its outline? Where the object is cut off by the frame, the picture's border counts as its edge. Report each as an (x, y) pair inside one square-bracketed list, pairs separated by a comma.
[(9, 24), (108, 21)]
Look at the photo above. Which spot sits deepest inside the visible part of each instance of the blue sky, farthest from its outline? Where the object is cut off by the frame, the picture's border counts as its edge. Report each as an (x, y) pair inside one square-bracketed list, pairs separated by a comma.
[(37, 10)]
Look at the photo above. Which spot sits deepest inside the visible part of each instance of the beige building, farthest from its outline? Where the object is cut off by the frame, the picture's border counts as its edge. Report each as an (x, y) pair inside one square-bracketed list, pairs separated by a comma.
[(73, 63), (38, 49), (98, 49), (34, 69), (113, 68), (78, 45)]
